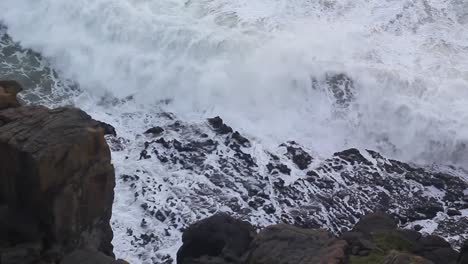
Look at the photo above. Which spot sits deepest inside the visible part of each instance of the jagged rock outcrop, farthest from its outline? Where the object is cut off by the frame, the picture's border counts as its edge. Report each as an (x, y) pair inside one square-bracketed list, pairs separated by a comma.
[(375, 239), (193, 170), (56, 183)]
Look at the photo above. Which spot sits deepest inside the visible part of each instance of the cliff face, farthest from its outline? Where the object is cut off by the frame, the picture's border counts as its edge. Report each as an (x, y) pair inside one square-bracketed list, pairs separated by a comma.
[(56, 182)]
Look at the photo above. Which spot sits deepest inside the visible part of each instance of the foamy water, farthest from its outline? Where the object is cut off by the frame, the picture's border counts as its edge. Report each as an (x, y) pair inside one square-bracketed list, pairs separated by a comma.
[(260, 64), (253, 62)]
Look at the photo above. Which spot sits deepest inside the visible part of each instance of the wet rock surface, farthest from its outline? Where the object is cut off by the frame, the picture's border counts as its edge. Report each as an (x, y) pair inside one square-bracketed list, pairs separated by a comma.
[(209, 167), (56, 185)]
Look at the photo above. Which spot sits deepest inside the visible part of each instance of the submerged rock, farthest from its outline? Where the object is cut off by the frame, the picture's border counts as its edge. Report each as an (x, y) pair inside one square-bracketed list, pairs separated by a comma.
[(154, 131), (342, 88)]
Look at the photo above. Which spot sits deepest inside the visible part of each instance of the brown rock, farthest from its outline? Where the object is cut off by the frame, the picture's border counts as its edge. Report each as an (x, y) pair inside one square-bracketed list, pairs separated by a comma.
[(56, 168), (281, 244), (8, 92), (375, 223), (395, 257)]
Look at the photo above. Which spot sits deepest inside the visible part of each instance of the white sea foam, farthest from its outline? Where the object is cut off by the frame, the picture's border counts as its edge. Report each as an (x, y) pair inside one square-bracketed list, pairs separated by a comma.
[(252, 62)]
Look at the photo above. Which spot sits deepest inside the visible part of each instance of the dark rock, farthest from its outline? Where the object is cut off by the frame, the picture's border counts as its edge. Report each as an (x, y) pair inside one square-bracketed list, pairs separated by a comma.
[(27, 253), (353, 156), (280, 244), (279, 167), (463, 257), (210, 260), (298, 155), (441, 255), (395, 257), (8, 92), (240, 139), (427, 210), (17, 226), (312, 174), (155, 131), (342, 87), (89, 257), (108, 129), (56, 168), (144, 154), (410, 235), (358, 242), (437, 250), (269, 209), (453, 212), (433, 242), (218, 125), (375, 223), (219, 236)]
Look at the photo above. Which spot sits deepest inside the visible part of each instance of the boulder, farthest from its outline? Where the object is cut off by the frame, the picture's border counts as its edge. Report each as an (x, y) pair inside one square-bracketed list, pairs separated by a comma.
[(89, 257), (453, 212), (8, 92), (375, 223), (56, 181), (436, 249), (215, 239), (395, 257), (376, 239), (281, 244), (359, 244), (154, 131)]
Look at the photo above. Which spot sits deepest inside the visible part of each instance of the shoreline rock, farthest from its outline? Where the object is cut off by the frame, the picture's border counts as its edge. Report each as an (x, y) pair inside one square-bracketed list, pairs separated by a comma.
[(375, 239), (56, 182), (8, 92)]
